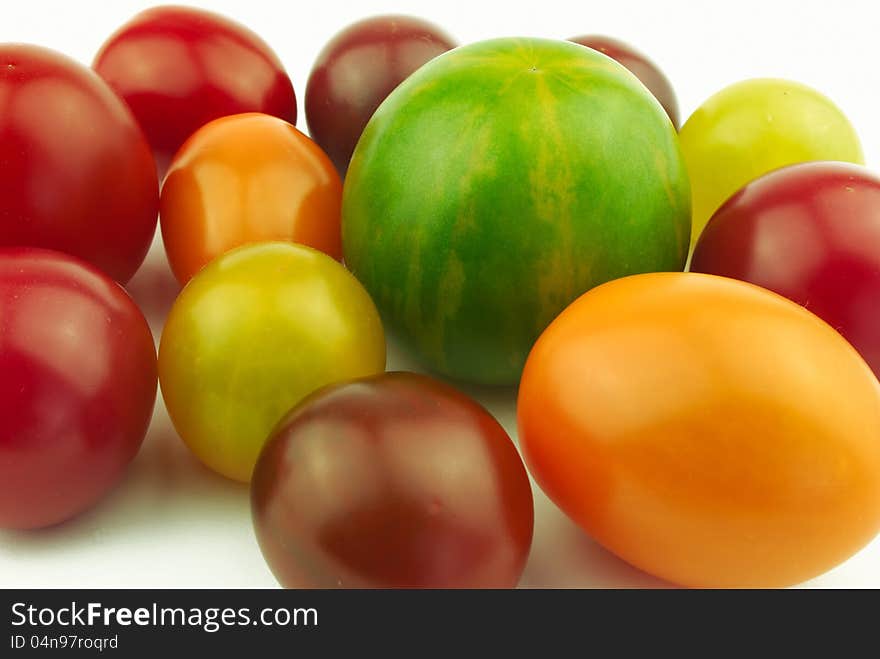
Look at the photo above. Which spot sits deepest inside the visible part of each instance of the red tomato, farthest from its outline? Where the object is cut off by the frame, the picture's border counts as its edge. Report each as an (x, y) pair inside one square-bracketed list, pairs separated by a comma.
[(707, 431), (179, 67), (78, 176), (810, 232), (392, 481), (77, 385), (639, 65), (357, 69), (244, 179)]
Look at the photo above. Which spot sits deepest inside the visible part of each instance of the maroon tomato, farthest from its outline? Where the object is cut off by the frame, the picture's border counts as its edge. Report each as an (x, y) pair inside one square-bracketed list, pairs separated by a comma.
[(179, 68), (810, 232), (77, 385), (640, 66), (357, 69), (392, 481), (77, 175)]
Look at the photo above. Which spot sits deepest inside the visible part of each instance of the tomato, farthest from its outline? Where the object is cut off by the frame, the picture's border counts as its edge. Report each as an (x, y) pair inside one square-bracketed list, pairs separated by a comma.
[(357, 69), (78, 176), (77, 385), (639, 65), (244, 179), (180, 67), (754, 127), (809, 232), (707, 431), (499, 182), (253, 333), (392, 481)]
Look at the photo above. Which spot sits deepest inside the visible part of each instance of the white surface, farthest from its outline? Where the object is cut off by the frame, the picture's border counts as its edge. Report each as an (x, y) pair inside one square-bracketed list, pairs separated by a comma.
[(172, 523)]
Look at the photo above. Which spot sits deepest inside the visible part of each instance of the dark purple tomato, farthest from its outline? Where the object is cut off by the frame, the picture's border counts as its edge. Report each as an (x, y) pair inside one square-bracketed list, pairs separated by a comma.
[(77, 385), (640, 66), (392, 481), (810, 232), (76, 174), (179, 68), (357, 69)]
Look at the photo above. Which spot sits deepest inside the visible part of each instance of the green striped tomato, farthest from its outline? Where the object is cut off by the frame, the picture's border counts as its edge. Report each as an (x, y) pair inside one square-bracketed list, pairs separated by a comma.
[(498, 183)]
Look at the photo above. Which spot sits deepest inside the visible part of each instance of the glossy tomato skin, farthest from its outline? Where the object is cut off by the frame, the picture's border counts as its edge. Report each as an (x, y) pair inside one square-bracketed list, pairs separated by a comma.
[(252, 334), (639, 65), (809, 232), (707, 431), (753, 127), (180, 67), (78, 176), (357, 69), (498, 183), (394, 481), (77, 385), (244, 179)]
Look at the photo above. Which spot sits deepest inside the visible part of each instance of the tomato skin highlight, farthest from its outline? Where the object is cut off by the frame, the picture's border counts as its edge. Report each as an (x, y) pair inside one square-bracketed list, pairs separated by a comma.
[(530, 192), (254, 332), (753, 127), (180, 67), (643, 68), (78, 176), (707, 431), (356, 71), (393, 481), (77, 386), (245, 179), (810, 233)]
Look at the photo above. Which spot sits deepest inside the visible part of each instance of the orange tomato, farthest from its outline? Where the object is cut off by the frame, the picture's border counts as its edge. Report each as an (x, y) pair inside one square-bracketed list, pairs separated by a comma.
[(243, 179), (705, 430)]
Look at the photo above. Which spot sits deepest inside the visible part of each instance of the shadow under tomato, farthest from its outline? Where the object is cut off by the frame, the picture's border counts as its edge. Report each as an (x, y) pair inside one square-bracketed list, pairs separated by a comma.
[(563, 556), (154, 287), (166, 493)]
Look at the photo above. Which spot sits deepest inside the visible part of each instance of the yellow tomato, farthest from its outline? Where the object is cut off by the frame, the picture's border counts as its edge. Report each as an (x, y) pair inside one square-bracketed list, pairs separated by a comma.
[(706, 430), (756, 126), (252, 334)]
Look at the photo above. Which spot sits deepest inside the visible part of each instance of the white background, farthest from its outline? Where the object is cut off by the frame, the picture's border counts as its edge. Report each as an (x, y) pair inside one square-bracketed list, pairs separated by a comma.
[(175, 524)]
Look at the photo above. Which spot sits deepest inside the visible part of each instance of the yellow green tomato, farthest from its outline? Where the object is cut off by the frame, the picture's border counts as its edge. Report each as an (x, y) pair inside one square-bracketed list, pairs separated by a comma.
[(756, 126), (253, 333)]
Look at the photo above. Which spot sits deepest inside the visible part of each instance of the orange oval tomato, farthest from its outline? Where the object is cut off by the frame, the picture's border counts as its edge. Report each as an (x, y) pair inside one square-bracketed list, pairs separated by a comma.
[(244, 179), (705, 430)]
